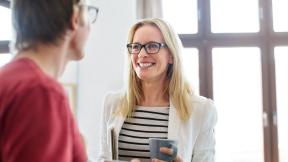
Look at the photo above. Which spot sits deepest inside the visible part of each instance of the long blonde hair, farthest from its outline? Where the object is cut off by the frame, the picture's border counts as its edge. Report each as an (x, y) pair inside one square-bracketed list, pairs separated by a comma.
[(177, 87)]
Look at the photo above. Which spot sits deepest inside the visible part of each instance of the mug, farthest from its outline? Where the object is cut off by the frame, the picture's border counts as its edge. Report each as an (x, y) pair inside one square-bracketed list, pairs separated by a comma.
[(156, 143)]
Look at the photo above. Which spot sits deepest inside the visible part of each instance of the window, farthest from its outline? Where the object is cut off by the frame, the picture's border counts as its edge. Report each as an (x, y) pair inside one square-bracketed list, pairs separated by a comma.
[(281, 62), (190, 65), (227, 16), (234, 74), (6, 25), (242, 57), (5, 32), (279, 15), (187, 10)]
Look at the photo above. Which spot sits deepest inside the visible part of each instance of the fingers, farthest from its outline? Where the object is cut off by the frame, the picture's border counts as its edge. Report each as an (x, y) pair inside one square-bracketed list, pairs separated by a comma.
[(135, 160), (166, 150), (178, 159), (157, 160)]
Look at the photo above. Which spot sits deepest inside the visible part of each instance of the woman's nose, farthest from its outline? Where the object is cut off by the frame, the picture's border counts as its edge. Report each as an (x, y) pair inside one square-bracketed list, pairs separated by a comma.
[(142, 53)]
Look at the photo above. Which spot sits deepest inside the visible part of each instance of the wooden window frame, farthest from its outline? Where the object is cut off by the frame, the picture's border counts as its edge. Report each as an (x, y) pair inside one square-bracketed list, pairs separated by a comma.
[(266, 39)]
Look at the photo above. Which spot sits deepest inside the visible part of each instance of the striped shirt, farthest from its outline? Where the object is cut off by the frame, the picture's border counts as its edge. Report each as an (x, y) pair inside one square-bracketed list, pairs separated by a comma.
[(145, 123)]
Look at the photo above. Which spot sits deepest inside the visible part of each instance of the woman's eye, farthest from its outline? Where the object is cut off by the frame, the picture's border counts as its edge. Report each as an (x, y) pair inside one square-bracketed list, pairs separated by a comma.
[(152, 46)]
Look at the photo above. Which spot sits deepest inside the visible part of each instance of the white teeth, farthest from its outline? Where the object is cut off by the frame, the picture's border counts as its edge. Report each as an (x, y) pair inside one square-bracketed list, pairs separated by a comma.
[(145, 64)]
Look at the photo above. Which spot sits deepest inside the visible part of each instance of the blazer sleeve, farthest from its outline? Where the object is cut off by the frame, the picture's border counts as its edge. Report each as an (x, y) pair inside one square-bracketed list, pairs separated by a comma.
[(104, 145), (204, 150)]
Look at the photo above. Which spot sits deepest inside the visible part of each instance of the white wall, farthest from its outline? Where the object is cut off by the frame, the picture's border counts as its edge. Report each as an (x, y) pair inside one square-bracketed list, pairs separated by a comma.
[(70, 74), (102, 68)]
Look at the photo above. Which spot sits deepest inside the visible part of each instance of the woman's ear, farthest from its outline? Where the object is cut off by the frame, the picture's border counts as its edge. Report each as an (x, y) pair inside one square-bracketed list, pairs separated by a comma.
[(170, 60)]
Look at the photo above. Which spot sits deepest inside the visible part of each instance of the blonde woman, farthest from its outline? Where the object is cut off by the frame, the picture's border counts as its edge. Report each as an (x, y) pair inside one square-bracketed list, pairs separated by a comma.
[(158, 102)]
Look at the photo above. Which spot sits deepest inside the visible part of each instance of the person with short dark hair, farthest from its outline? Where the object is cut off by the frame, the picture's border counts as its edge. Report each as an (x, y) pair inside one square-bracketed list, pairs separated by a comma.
[(36, 122)]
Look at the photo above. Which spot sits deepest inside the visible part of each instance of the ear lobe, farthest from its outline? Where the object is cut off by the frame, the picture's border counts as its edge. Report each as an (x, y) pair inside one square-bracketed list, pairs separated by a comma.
[(170, 61)]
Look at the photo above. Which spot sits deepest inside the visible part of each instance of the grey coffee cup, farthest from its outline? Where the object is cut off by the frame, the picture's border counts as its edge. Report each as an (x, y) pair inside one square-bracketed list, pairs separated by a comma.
[(156, 143)]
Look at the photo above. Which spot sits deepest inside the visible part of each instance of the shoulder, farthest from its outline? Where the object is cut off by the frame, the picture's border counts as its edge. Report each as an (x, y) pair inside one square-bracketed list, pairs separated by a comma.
[(200, 101), (22, 77), (111, 103), (43, 88), (112, 100), (113, 97), (204, 108)]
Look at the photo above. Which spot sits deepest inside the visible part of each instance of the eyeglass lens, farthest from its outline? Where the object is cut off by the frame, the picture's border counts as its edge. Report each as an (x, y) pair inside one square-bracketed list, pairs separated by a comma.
[(92, 13)]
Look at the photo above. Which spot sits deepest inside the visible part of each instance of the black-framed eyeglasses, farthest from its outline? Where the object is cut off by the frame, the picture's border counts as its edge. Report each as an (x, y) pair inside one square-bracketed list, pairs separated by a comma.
[(92, 12), (150, 47)]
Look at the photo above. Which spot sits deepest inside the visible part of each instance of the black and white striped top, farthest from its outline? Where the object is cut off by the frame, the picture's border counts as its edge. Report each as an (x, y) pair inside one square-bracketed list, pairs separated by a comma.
[(146, 122)]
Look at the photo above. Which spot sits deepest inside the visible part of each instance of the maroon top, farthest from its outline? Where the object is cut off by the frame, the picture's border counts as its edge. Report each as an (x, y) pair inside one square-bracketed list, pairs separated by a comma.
[(36, 122)]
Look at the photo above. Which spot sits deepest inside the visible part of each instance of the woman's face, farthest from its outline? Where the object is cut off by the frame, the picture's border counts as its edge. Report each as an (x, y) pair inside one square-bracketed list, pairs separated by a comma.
[(150, 67)]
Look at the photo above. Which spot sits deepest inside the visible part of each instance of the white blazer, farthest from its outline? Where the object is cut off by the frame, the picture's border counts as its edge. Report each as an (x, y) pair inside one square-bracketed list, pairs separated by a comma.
[(196, 142)]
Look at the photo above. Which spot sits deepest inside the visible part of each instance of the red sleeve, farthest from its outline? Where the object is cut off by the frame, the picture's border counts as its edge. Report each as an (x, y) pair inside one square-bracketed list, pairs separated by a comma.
[(39, 128)]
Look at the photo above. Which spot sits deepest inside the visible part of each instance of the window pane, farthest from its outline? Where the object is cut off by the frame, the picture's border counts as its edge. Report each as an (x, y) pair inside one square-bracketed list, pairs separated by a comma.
[(182, 16), (280, 12), (4, 58), (6, 26), (234, 16), (281, 62), (191, 67), (238, 96)]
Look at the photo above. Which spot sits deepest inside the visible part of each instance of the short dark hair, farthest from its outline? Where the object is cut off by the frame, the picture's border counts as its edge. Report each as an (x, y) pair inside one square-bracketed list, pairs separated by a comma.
[(44, 21)]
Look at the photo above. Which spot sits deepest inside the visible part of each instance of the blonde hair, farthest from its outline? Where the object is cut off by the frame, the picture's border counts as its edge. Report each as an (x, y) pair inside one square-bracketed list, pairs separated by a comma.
[(176, 86)]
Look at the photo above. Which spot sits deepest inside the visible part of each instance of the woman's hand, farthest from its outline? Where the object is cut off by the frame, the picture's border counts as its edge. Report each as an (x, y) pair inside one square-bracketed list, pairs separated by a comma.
[(168, 151)]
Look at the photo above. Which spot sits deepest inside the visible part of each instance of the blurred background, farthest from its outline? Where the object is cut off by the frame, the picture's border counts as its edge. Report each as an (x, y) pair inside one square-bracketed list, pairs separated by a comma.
[(235, 52)]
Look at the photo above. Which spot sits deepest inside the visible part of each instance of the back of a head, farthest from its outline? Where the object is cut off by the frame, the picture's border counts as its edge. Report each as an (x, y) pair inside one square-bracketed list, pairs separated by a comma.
[(40, 21)]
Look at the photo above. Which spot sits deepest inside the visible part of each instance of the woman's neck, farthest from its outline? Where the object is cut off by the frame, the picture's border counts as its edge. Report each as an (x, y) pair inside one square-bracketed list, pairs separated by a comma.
[(154, 95)]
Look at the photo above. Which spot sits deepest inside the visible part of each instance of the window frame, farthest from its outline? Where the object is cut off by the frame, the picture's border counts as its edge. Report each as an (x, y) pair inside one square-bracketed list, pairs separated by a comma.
[(5, 3), (266, 39)]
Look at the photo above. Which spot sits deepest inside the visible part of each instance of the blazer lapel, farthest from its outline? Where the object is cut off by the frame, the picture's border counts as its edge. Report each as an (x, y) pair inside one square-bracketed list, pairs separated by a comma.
[(173, 123)]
